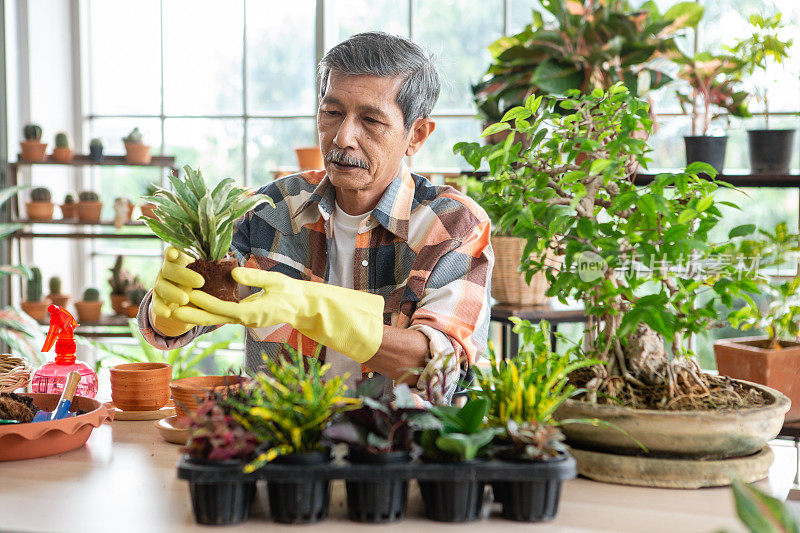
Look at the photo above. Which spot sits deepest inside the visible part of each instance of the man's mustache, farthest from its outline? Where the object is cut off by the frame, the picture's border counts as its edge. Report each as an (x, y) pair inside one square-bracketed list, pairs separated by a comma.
[(336, 155)]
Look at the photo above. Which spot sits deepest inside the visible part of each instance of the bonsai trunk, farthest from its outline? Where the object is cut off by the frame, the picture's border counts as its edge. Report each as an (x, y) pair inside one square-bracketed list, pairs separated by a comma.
[(218, 280)]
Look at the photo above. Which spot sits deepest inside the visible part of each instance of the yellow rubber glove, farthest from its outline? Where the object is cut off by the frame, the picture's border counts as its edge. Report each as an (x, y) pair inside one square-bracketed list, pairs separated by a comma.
[(173, 285), (346, 320)]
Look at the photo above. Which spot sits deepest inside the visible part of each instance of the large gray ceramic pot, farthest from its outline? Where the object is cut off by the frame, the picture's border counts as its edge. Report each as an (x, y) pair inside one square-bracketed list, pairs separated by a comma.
[(686, 434)]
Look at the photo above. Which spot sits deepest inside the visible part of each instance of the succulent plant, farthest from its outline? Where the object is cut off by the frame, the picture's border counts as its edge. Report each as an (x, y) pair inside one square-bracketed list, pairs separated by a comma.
[(136, 295), (216, 435), (88, 196), (96, 142), (62, 141), (120, 279), (55, 285), (32, 132), (34, 292), (41, 194), (69, 199), (91, 295), (134, 137), (533, 440), (198, 220)]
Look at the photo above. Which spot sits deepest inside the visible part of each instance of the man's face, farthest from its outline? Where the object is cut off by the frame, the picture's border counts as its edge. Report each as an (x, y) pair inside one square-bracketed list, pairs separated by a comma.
[(361, 132)]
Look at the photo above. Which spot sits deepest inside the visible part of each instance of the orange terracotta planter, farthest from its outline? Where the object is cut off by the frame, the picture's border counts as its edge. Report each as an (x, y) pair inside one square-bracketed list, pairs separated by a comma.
[(309, 158), (40, 210), (186, 391), (62, 154), (89, 211), (118, 303), (60, 300), (148, 210), (69, 211), (138, 154), (37, 310), (131, 310), (88, 311), (33, 151), (140, 386)]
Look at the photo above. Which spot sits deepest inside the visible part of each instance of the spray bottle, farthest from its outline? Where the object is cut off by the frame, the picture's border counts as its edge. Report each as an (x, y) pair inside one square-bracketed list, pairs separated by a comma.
[(51, 377)]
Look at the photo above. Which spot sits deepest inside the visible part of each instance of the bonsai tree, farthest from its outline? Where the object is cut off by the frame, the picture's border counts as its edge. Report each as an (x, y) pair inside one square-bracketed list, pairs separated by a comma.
[(200, 222), (588, 44), (635, 256)]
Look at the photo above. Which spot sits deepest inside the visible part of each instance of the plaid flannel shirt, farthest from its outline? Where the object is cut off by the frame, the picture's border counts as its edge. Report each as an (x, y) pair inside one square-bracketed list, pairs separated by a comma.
[(424, 248)]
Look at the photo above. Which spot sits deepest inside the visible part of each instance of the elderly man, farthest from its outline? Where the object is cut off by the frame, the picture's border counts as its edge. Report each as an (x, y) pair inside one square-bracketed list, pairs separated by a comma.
[(385, 270)]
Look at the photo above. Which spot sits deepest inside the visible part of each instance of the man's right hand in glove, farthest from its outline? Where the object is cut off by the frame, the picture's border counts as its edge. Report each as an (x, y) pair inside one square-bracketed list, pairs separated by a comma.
[(173, 285)]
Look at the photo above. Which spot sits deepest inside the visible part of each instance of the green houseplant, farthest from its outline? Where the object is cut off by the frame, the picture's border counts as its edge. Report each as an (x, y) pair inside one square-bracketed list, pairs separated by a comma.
[(770, 150), (69, 209), (41, 206), (120, 280), (55, 296), (199, 221), (89, 306), (631, 255), (32, 147), (89, 207), (62, 152), (588, 44), (34, 304)]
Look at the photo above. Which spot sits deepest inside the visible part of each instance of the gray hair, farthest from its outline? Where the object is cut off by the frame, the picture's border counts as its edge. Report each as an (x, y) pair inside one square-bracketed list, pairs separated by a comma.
[(376, 53)]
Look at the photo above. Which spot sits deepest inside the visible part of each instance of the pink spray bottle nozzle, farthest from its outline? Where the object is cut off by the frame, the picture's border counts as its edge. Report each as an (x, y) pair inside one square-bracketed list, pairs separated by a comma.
[(62, 328)]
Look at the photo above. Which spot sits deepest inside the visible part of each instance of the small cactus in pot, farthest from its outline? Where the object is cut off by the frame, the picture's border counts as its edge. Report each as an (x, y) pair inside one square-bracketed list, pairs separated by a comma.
[(90, 306), (55, 295), (148, 208), (69, 209), (62, 152), (136, 152), (120, 281), (96, 149), (136, 295), (32, 147), (40, 207), (34, 305), (89, 207)]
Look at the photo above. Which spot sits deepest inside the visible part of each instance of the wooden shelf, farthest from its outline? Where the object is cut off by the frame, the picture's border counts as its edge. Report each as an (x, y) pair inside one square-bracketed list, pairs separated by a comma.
[(81, 160), (92, 329), (738, 178), (74, 222), (33, 234)]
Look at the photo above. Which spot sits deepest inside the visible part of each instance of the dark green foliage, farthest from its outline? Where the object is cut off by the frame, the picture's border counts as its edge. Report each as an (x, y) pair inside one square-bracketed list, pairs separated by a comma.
[(62, 141), (91, 295), (41, 194), (34, 292), (55, 285), (463, 436), (88, 196), (32, 132)]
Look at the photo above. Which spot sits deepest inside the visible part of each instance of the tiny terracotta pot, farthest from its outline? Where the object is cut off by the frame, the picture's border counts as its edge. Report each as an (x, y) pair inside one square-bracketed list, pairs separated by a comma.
[(140, 386), (186, 391), (62, 154), (118, 303), (88, 311), (148, 210), (35, 151), (69, 211), (89, 211), (131, 310), (60, 300), (40, 210), (138, 154), (37, 310), (309, 158)]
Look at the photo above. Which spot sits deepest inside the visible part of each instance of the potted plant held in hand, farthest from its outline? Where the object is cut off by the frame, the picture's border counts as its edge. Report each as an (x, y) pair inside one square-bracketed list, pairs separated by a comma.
[(199, 221), (380, 433), (220, 444)]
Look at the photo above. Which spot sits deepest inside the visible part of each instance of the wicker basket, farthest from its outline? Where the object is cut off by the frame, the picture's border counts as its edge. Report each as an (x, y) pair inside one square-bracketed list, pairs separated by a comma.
[(15, 372), (508, 283)]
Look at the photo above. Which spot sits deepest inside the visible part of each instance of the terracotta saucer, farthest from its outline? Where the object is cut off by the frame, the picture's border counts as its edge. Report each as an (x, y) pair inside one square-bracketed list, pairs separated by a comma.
[(172, 432), (119, 414)]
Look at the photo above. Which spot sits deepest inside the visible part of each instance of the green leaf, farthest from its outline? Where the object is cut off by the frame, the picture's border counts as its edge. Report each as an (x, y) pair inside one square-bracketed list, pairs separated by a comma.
[(686, 215), (685, 14), (740, 231), (599, 166), (555, 78), (762, 513), (472, 414), (704, 203), (495, 128), (698, 167), (516, 113)]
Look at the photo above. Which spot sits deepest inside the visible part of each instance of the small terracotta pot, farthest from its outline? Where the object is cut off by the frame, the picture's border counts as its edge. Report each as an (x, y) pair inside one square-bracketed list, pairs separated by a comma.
[(40, 210), (37, 310), (62, 154), (60, 300), (185, 391), (33, 150), (138, 154), (131, 310), (69, 211), (88, 311), (89, 211), (118, 303), (148, 210), (140, 386), (309, 158)]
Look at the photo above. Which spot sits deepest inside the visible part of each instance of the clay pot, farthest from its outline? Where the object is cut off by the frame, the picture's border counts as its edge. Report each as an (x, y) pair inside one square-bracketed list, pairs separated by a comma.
[(140, 386), (60, 300), (185, 391), (131, 310), (37, 310), (118, 303), (137, 154), (40, 210), (33, 151), (309, 158), (148, 210), (69, 211), (89, 211), (88, 311), (62, 154), (746, 358)]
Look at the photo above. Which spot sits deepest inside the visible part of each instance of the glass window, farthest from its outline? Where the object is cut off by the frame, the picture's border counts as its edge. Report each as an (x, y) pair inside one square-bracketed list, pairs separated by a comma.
[(271, 145), (355, 16), (213, 145)]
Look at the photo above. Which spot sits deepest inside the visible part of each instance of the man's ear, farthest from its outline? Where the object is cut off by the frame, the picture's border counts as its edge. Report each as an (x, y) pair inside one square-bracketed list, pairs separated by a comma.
[(420, 131)]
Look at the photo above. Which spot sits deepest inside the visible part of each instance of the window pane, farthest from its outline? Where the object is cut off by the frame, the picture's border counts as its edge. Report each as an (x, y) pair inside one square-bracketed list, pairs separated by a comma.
[(124, 67), (203, 57), (459, 37), (271, 145), (437, 153), (213, 145), (280, 57), (355, 16), (667, 142)]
